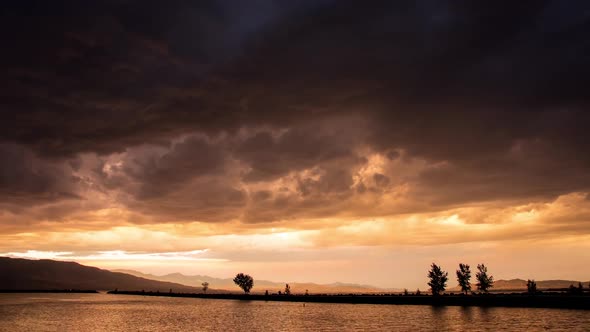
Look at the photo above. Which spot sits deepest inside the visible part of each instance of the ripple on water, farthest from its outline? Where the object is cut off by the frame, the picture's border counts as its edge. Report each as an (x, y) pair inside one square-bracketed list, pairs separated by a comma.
[(102, 312)]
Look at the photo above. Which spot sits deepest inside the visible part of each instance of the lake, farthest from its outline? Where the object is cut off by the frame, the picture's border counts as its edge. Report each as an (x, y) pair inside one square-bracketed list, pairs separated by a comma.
[(103, 312)]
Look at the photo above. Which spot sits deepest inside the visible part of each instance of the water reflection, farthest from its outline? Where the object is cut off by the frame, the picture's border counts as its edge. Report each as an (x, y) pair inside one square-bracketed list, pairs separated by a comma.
[(441, 318), (100, 312), (467, 313)]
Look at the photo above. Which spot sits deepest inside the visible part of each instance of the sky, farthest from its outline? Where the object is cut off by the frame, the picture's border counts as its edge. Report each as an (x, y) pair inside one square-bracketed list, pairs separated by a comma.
[(298, 140)]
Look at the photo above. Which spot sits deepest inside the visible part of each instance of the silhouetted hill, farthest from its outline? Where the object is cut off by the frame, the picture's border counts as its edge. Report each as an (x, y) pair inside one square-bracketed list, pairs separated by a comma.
[(520, 284), (261, 285), (46, 274)]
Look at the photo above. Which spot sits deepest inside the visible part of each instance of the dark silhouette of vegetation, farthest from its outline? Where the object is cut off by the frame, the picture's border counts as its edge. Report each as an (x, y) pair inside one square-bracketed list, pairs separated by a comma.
[(547, 300), (205, 286), (464, 277), (573, 297), (484, 281), (438, 279), (531, 286), (576, 290), (244, 281)]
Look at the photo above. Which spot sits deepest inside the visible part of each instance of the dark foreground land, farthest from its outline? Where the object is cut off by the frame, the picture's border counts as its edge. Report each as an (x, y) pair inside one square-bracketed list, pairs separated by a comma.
[(549, 300)]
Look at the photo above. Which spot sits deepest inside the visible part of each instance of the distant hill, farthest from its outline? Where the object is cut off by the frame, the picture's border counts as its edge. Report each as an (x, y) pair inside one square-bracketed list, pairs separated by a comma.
[(520, 284), (261, 285), (541, 284), (24, 274)]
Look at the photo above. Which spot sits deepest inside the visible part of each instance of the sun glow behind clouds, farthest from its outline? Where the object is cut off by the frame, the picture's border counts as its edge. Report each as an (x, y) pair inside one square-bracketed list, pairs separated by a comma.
[(326, 249)]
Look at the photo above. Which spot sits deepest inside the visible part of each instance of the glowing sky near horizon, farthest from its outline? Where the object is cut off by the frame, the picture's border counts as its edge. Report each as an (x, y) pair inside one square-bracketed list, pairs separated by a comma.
[(311, 141)]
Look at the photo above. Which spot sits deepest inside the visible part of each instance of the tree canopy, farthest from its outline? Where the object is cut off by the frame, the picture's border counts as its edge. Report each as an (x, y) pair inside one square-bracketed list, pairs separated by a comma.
[(464, 277), (438, 279), (484, 282), (244, 281)]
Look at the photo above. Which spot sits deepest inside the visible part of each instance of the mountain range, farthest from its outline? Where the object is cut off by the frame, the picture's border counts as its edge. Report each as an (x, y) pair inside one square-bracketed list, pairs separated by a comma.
[(520, 284), (45, 274), (262, 285)]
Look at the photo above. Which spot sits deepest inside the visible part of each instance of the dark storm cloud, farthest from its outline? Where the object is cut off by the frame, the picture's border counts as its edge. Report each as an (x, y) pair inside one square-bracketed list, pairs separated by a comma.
[(204, 199), (159, 174), (301, 147), (25, 180), (103, 76), (494, 92)]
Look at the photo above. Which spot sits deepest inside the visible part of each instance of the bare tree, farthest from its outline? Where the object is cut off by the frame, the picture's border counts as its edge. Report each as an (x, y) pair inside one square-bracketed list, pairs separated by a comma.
[(287, 289), (484, 282), (531, 286), (244, 281), (205, 286), (438, 279), (464, 277)]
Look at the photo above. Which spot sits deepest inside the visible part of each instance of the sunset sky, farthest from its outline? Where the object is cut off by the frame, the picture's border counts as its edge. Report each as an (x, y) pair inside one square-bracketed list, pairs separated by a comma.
[(298, 140)]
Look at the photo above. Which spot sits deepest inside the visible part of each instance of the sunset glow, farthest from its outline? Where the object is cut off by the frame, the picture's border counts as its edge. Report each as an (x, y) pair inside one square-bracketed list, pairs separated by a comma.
[(298, 141)]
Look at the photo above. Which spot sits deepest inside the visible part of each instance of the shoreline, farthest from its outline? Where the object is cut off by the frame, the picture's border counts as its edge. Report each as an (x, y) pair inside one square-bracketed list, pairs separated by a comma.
[(521, 300)]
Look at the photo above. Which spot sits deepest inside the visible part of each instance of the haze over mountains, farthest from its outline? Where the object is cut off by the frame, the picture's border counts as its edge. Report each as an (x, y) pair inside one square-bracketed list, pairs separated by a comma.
[(262, 285), (24, 274), (541, 284)]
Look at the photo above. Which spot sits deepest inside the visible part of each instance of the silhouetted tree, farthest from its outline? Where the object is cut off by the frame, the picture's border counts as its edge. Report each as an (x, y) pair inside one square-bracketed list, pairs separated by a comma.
[(405, 292), (418, 291), (306, 292), (438, 279), (531, 286), (575, 290), (244, 281), (484, 282), (205, 286), (287, 289), (464, 277)]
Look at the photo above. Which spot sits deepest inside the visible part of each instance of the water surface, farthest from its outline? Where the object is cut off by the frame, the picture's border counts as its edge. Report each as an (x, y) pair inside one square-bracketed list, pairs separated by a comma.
[(102, 312)]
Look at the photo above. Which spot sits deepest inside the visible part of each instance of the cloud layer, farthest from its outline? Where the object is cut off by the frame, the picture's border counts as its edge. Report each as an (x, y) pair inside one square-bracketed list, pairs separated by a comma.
[(351, 122)]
